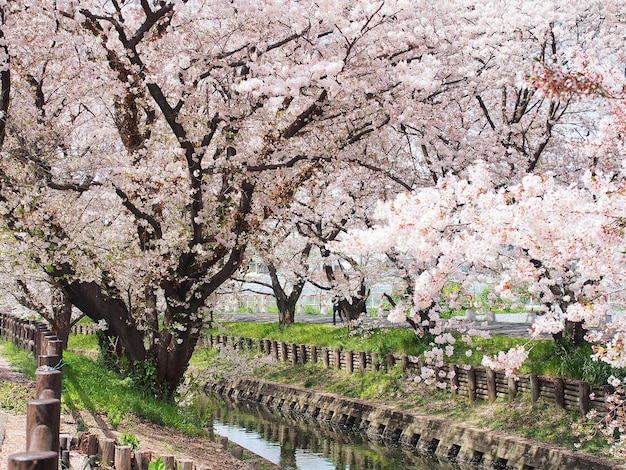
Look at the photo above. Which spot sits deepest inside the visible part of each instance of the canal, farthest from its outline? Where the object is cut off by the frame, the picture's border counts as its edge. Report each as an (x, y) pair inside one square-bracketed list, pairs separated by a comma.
[(293, 442)]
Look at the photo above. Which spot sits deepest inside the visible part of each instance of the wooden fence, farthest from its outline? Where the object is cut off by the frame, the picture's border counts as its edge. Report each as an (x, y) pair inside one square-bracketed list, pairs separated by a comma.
[(474, 382), (84, 329), (44, 444), (44, 412)]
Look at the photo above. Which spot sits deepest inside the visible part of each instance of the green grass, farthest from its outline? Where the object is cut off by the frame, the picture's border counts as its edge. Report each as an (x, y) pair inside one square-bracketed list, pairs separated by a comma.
[(87, 387), (378, 340), (15, 396), (22, 362), (83, 342), (203, 358)]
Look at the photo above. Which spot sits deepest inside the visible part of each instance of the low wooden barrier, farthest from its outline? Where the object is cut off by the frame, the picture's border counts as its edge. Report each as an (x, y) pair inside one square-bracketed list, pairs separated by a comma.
[(473, 382), (108, 454), (84, 329)]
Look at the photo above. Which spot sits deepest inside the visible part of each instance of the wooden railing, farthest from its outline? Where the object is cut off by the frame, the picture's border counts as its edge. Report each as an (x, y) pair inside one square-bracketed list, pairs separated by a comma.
[(44, 444), (84, 329), (44, 412), (473, 382)]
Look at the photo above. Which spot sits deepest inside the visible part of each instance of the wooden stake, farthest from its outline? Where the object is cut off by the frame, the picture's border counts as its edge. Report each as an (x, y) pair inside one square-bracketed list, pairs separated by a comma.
[(43, 422), (40, 460)]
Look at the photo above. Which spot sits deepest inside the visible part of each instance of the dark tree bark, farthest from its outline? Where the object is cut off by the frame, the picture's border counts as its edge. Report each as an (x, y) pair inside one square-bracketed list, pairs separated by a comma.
[(287, 303), (355, 306)]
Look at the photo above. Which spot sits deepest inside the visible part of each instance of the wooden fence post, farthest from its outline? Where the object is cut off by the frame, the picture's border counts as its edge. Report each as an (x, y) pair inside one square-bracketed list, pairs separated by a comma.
[(294, 353), (123, 458), (169, 461), (55, 347), (40, 460), (454, 380), (142, 459), (89, 446), (186, 464), (534, 388), (362, 362), (302, 353), (583, 398), (375, 363), (559, 392), (107, 451), (43, 421), (337, 358), (512, 386), (349, 362), (491, 384), (48, 380)]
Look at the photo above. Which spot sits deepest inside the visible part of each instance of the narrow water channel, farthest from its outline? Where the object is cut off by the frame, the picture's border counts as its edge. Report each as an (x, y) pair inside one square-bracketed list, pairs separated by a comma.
[(295, 443)]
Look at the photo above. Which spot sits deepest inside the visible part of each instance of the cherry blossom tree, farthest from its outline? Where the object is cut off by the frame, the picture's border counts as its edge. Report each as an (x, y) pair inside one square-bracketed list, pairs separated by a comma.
[(148, 142)]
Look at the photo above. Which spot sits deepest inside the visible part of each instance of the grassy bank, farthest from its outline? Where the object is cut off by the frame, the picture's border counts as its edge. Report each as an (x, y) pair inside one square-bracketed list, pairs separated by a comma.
[(88, 387)]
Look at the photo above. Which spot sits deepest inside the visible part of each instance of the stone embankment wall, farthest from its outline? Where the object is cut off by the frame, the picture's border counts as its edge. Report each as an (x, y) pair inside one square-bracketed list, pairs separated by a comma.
[(464, 446)]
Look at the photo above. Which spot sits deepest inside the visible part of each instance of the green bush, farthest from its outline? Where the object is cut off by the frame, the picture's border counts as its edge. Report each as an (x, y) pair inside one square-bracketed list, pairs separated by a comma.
[(311, 310), (130, 440)]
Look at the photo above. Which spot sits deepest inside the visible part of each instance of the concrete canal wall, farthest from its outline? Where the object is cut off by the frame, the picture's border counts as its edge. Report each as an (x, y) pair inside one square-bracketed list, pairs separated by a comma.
[(450, 442)]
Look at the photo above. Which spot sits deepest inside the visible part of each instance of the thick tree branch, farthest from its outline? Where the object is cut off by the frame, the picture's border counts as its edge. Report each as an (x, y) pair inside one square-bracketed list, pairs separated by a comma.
[(386, 173), (304, 118), (144, 235), (485, 112)]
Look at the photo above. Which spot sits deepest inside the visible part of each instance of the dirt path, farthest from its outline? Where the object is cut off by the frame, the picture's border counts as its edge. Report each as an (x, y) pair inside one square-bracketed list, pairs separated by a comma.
[(12, 426)]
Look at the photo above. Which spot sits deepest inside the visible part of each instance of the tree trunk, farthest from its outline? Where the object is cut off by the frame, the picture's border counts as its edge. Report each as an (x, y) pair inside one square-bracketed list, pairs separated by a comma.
[(89, 298), (356, 306), (61, 321), (286, 316), (575, 332), (172, 361), (286, 303)]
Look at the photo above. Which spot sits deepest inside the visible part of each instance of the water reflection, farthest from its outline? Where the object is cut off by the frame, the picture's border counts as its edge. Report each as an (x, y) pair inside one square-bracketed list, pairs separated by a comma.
[(293, 442)]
